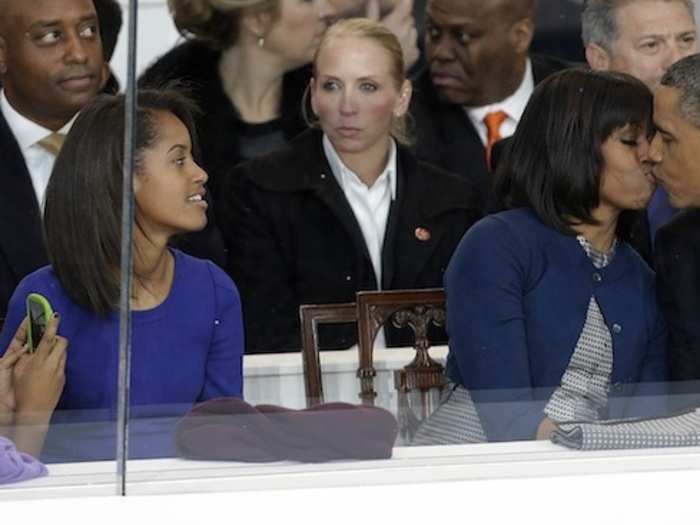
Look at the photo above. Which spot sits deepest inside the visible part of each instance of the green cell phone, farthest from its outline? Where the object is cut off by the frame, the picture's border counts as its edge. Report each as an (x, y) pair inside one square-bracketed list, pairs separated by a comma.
[(40, 313)]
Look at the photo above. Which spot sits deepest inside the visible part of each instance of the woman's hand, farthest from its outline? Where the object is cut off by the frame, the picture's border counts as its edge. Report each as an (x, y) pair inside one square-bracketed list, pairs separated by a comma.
[(399, 21), (547, 426), (38, 382), (17, 347), (39, 377)]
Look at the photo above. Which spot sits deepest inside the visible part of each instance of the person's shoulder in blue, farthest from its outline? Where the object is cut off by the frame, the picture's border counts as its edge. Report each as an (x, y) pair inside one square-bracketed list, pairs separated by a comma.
[(187, 333), (549, 291)]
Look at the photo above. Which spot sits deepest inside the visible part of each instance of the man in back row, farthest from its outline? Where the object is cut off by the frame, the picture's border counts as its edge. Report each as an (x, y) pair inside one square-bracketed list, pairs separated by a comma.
[(642, 38), (480, 78), (51, 66)]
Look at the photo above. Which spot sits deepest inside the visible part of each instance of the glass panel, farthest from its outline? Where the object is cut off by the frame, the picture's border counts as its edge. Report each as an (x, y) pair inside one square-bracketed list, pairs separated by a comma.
[(281, 192), (58, 385)]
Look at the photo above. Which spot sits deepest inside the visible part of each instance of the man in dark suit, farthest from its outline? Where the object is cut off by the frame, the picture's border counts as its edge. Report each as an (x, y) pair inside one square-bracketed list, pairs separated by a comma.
[(677, 256), (51, 65), (479, 79), (642, 38)]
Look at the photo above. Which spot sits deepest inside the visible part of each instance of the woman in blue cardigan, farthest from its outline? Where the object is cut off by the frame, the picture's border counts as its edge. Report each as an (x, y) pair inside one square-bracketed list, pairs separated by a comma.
[(551, 315), (187, 334)]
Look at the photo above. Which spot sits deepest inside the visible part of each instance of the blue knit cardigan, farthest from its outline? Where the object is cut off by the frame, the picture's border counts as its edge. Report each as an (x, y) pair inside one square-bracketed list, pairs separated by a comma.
[(517, 298)]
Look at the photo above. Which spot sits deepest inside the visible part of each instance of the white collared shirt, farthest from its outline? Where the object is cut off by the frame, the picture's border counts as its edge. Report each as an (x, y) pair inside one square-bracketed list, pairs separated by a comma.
[(513, 106), (28, 133), (369, 204)]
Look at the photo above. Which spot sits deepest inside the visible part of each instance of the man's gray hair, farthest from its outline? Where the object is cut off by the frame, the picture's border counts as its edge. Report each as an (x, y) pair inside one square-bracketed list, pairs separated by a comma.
[(599, 20), (684, 76)]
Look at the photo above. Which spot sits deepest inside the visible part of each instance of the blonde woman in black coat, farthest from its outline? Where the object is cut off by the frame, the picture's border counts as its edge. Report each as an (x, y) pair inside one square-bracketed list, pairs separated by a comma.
[(342, 208)]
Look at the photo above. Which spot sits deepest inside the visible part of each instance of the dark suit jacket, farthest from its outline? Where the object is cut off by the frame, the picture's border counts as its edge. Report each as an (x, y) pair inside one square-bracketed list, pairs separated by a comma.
[(677, 261), (447, 138), (21, 239), (293, 238)]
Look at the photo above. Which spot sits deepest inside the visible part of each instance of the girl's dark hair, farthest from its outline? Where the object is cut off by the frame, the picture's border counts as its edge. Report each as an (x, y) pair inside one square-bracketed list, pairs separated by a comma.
[(554, 160), (83, 213)]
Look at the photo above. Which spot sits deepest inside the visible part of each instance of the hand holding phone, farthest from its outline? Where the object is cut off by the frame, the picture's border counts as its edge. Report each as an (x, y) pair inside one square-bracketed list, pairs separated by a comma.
[(40, 313), (38, 379)]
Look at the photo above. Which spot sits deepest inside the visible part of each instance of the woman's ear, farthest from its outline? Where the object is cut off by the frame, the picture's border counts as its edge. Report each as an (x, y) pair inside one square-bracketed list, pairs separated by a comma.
[(137, 182), (404, 101), (257, 23)]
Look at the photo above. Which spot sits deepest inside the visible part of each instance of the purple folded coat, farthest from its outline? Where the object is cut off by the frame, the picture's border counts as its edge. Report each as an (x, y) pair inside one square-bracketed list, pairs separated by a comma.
[(231, 429), (17, 466)]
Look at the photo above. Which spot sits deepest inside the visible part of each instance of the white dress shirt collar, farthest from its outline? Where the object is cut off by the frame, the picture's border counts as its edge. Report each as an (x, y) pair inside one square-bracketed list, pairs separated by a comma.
[(514, 105), (343, 174), (26, 132), (370, 204)]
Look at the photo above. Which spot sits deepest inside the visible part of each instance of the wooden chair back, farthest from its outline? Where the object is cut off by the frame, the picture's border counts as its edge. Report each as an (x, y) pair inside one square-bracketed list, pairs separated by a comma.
[(311, 316), (416, 309)]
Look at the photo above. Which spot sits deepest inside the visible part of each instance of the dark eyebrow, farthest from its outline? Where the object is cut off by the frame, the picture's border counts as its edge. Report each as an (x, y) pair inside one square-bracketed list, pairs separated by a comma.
[(449, 27), (662, 130), (177, 146), (40, 24)]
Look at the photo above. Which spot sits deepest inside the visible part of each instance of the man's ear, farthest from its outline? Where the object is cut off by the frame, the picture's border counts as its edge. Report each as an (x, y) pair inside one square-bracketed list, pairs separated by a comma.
[(597, 57), (521, 35), (3, 56)]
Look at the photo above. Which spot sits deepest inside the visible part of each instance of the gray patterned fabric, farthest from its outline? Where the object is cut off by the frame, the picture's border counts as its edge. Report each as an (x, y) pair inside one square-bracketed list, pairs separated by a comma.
[(455, 421), (584, 386), (598, 258), (676, 431)]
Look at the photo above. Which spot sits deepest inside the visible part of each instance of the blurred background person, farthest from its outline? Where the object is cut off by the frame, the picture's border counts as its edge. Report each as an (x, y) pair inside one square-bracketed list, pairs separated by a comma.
[(547, 305), (51, 65), (345, 207), (479, 79), (183, 350), (677, 254), (642, 38), (399, 16), (242, 61)]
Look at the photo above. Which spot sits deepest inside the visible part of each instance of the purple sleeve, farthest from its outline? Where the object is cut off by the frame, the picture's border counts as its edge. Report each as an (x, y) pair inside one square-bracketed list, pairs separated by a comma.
[(17, 466), (224, 368)]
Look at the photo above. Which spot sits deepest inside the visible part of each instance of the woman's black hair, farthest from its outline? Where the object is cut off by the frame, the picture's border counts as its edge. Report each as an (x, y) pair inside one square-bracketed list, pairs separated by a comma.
[(554, 161), (83, 212)]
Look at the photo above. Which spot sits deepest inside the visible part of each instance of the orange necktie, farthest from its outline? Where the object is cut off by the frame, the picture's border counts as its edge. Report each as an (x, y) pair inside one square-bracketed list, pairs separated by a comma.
[(493, 123)]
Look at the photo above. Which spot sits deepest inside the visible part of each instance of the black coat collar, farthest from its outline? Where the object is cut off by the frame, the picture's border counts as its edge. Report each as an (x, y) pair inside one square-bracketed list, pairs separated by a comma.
[(423, 194), (302, 166)]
